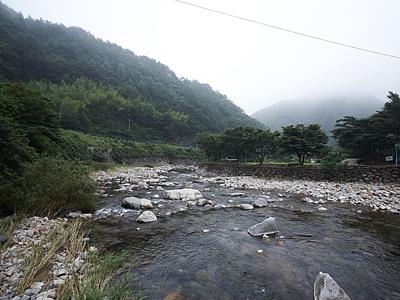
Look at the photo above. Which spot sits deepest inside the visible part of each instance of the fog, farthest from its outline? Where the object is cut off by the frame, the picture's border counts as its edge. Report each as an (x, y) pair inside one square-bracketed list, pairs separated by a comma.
[(253, 65)]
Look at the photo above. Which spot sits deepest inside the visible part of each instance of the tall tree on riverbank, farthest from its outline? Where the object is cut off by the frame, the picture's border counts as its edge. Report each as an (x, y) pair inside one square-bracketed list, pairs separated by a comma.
[(211, 144), (263, 142), (372, 137), (303, 140)]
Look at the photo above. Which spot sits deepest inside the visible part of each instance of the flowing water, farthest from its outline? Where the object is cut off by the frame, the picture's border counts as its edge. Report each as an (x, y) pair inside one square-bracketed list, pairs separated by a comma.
[(177, 260)]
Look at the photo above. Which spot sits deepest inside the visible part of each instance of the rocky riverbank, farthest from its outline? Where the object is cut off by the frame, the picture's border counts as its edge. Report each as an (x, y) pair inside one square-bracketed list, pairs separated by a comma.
[(377, 196), (39, 259)]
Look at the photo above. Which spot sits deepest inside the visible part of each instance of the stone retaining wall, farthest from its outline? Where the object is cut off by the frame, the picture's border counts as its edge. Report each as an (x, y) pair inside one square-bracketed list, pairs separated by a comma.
[(370, 174)]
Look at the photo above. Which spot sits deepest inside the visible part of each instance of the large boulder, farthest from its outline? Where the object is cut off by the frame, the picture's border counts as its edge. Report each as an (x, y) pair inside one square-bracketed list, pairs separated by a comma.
[(183, 194), (326, 288), (146, 217), (136, 203), (266, 227)]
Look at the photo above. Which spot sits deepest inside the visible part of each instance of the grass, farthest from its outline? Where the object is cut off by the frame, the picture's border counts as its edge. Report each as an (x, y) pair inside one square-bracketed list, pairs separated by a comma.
[(41, 259), (99, 280), (102, 276), (7, 226)]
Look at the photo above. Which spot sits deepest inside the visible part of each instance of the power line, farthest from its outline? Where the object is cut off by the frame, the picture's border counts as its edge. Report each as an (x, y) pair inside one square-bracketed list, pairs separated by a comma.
[(288, 30)]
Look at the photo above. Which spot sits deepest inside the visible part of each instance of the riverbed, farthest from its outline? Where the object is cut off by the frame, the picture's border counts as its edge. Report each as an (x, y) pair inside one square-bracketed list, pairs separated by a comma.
[(206, 253)]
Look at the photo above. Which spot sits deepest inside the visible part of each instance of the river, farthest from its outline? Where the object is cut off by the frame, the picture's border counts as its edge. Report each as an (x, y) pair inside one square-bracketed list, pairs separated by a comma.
[(206, 253)]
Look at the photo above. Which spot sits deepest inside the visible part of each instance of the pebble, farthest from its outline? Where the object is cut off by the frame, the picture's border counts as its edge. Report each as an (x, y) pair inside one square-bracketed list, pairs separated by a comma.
[(13, 260), (379, 197)]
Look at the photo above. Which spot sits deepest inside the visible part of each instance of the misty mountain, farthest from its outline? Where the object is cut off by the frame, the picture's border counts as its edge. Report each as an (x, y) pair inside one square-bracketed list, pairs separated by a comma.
[(323, 110), (37, 50)]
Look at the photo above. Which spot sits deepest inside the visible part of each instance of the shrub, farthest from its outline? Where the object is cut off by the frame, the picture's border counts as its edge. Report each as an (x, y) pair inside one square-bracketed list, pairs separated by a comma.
[(52, 186), (331, 162)]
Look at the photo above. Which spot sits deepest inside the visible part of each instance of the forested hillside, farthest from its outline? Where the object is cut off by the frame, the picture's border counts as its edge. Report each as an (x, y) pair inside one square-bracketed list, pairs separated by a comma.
[(159, 104)]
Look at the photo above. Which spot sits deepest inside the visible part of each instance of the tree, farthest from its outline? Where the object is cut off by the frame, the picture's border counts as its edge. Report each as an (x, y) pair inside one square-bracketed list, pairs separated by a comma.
[(263, 142), (371, 137), (238, 140), (28, 124), (303, 140), (211, 144)]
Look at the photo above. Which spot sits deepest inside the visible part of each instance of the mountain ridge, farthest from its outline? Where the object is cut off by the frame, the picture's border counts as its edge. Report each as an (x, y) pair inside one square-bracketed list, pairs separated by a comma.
[(324, 110), (58, 53)]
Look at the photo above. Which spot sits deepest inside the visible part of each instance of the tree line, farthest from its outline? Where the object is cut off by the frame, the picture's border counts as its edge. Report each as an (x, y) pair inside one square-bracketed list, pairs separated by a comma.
[(300, 140), (370, 138), (373, 137)]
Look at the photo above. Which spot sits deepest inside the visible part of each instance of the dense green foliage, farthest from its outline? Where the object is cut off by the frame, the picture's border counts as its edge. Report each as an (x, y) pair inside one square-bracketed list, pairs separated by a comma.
[(31, 180), (89, 107), (50, 186), (300, 140), (374, 137), (160, 104), (303, 140), (238, 142), (76, 145), (28, 125)]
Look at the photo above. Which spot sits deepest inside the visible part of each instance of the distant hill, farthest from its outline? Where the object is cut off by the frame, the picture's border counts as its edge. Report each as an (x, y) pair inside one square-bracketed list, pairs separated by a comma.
[(323, 110), (37, 50)]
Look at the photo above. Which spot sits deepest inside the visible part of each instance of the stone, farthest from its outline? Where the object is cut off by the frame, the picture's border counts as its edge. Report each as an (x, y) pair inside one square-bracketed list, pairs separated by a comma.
[(201, 202), (260, 202), (136, 203), (3, 239), (74, 215), (326, 288), (206, 230), (266, 227), (219, 205), (146, 217), (234, 194), (246, 206), (322, 208), (308, 200), (183, 194), (191, 203)]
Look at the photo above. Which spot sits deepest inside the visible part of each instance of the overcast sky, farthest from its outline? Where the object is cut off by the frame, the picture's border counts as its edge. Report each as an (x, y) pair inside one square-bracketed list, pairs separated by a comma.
[(253, 65)]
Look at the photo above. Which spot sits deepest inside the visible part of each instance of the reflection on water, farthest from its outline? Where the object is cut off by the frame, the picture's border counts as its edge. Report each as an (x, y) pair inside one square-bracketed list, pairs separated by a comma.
[(175, 257)]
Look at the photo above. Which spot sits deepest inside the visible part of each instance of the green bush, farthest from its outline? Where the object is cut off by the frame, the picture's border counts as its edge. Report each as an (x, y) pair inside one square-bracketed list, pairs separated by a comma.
[(331, 162), (51, 186)]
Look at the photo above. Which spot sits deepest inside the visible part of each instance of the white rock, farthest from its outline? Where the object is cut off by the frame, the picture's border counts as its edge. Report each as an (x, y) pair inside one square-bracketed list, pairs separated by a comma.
[(146, 217), (260, 202), (246, 206), (326, 288), (136, 203), (206, 230), (183, 194), (322, 208), (201, 202)]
